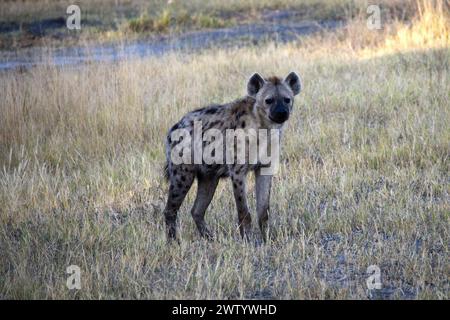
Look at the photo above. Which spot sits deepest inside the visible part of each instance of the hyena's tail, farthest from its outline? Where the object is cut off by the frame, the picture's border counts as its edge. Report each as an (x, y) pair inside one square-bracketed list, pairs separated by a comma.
[(166, 165), (166, 171)]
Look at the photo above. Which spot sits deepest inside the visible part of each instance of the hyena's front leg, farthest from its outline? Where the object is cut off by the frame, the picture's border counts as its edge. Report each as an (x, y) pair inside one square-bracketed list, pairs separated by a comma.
[(263, 186), (240, 196)]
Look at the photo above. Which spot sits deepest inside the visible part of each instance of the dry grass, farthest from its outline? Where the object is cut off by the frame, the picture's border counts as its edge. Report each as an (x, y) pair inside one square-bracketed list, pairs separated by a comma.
[(125, 20), (364, 176), (26, 10)]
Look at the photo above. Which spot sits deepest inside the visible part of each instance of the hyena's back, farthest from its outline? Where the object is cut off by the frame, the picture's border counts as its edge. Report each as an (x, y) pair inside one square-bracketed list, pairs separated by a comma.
[(220, 117)]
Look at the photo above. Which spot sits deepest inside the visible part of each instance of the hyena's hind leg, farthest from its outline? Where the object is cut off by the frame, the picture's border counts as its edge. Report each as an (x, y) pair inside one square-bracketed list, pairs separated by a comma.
[(205, 192), (181, 178)]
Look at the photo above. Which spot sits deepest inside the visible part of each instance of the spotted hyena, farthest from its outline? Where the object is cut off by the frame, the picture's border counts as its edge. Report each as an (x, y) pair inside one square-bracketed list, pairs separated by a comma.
[(267, 106)]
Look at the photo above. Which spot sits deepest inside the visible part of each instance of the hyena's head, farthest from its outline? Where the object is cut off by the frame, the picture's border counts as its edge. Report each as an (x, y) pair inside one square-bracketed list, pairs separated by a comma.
[(274, 97)]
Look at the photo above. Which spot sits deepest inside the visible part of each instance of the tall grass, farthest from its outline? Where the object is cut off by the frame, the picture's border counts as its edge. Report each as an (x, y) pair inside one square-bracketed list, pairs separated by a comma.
[(364, 176), (430, 29)]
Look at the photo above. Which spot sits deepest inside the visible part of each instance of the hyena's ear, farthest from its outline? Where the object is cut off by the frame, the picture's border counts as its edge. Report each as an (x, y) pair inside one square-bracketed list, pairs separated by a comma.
[(255, 83), (293, 81)]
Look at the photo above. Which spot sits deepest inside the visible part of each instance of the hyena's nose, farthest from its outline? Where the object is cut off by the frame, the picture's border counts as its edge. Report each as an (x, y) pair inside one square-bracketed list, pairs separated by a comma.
[(279, 115)]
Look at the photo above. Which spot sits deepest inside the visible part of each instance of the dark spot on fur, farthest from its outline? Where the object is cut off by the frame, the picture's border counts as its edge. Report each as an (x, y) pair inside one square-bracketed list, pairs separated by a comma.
[(215, 123), (240, 114), (239, 198), (211, 110), (175, 127), (243, 124)]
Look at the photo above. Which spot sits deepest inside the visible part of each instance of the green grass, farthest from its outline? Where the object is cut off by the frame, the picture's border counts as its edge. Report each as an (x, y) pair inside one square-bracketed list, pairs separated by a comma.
[(111, 20), (364, 177), (169, 19)]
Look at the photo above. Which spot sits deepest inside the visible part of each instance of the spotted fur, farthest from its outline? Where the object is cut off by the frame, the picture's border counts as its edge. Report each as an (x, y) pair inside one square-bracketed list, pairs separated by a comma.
[(250, 112)]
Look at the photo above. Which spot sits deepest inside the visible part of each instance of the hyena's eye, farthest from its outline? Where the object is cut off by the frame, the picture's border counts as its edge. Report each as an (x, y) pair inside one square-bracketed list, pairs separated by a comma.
[(287, 100), (269, 100)]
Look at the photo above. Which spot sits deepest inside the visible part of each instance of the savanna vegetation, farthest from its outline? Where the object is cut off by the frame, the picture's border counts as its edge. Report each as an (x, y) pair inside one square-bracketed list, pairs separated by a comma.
[(29, 23), (364, 177)]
